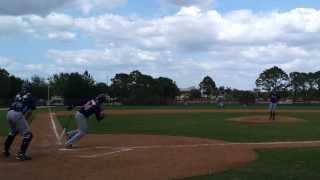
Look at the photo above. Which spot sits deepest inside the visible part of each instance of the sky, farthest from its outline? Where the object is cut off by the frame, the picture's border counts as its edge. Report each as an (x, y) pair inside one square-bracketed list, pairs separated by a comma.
[(231, 41)]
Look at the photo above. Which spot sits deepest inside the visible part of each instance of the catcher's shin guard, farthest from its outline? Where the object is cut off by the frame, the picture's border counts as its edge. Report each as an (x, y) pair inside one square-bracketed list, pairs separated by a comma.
[(9, 140), (25, 142)]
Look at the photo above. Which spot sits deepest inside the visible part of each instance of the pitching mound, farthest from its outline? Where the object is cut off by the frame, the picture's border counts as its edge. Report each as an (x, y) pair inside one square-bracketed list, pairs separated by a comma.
[(265, 119)]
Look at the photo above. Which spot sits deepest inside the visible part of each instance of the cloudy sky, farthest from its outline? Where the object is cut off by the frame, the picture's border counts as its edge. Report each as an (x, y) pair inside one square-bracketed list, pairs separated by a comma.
[(230, 40)]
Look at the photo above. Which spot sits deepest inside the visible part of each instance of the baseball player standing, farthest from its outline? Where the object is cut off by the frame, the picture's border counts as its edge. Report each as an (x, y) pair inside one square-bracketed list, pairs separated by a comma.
[(91, 107), (20, 109), (273, 106)]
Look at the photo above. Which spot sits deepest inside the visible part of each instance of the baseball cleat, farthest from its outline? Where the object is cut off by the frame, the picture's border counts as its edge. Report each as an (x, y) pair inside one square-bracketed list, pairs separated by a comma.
[(6, 154), (68, 146), (68, 135), (23, 157)]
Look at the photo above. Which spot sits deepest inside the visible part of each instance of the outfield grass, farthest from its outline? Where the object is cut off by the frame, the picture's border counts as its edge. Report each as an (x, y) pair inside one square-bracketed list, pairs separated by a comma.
[(206, 125), (284, 164)]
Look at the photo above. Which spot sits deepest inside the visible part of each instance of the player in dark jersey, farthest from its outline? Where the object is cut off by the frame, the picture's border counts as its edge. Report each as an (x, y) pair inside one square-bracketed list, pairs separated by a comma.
[(273, 106), (91, 107), (21, 107)]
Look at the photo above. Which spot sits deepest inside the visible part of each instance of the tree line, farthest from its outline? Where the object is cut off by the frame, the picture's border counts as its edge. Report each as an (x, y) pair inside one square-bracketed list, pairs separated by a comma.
[(76, 88), (298, 86), (137, 88)]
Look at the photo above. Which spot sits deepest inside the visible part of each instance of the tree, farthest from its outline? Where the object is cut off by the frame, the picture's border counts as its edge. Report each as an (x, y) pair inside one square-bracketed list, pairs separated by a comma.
[(39, 87), (5, 83), (167, 87), (273, 79), (15, 85), (207, 86), (120, 86), (101, 88), (317, 80), (195, 94), (298, 84), (10, 86), (76, 88), (138, 88), (245, 97)]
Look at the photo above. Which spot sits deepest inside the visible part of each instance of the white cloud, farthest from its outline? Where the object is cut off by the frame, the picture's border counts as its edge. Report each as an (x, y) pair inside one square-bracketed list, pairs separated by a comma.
[(10, 25), (53, 26), (44, 7), (18, 7), (27, 70), (192, 29), (98, 5), (61, 35), (198, 3), (107, 57), (185, 46)]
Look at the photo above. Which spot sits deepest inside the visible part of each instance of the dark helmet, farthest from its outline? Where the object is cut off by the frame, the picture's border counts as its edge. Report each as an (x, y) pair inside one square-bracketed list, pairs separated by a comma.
[(101, 98)]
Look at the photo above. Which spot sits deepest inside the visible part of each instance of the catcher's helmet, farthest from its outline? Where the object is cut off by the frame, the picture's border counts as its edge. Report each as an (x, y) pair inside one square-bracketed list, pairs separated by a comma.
[(101, 98)]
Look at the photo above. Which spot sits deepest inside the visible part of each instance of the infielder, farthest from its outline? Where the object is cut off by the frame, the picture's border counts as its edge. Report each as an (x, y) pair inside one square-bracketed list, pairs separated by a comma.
[(21, 107), (273, 106), (91, 107), (220, 101)]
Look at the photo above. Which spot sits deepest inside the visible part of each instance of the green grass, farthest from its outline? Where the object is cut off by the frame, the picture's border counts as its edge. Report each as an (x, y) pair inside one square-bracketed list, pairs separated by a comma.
[(284, 164), (205, 125)]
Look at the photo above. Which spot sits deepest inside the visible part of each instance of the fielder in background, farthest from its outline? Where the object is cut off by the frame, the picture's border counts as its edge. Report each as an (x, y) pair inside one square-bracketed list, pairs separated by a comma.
[(91, 107), (273, 106), (220, 100), (17, 115)]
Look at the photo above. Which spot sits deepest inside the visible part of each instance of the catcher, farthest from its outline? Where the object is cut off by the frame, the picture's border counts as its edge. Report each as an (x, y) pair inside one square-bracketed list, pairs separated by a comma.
[(17, 116), (91, 107)]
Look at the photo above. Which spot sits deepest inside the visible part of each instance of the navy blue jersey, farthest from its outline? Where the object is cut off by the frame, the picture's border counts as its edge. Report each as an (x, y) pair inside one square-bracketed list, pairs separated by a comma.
[(28, 103), (273, 99), (23, 103), (91, 107)]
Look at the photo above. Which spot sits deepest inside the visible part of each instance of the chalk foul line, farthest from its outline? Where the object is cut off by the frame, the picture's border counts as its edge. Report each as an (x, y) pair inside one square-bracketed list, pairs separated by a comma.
[(54, 128), (107, 153), (132, 148)]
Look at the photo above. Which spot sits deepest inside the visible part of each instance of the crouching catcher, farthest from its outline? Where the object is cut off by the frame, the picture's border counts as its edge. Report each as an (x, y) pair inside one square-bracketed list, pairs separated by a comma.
[(17, 115)]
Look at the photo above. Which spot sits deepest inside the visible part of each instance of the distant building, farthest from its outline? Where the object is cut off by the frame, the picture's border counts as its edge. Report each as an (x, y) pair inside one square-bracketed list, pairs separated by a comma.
[(56, 101)]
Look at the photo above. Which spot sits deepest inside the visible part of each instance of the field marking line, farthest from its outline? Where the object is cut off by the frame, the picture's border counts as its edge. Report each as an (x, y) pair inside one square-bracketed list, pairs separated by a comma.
[(132, 148), (54, 128), (198, 145), (92, 148), (229, 144), (63, 133), (106, 154)]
